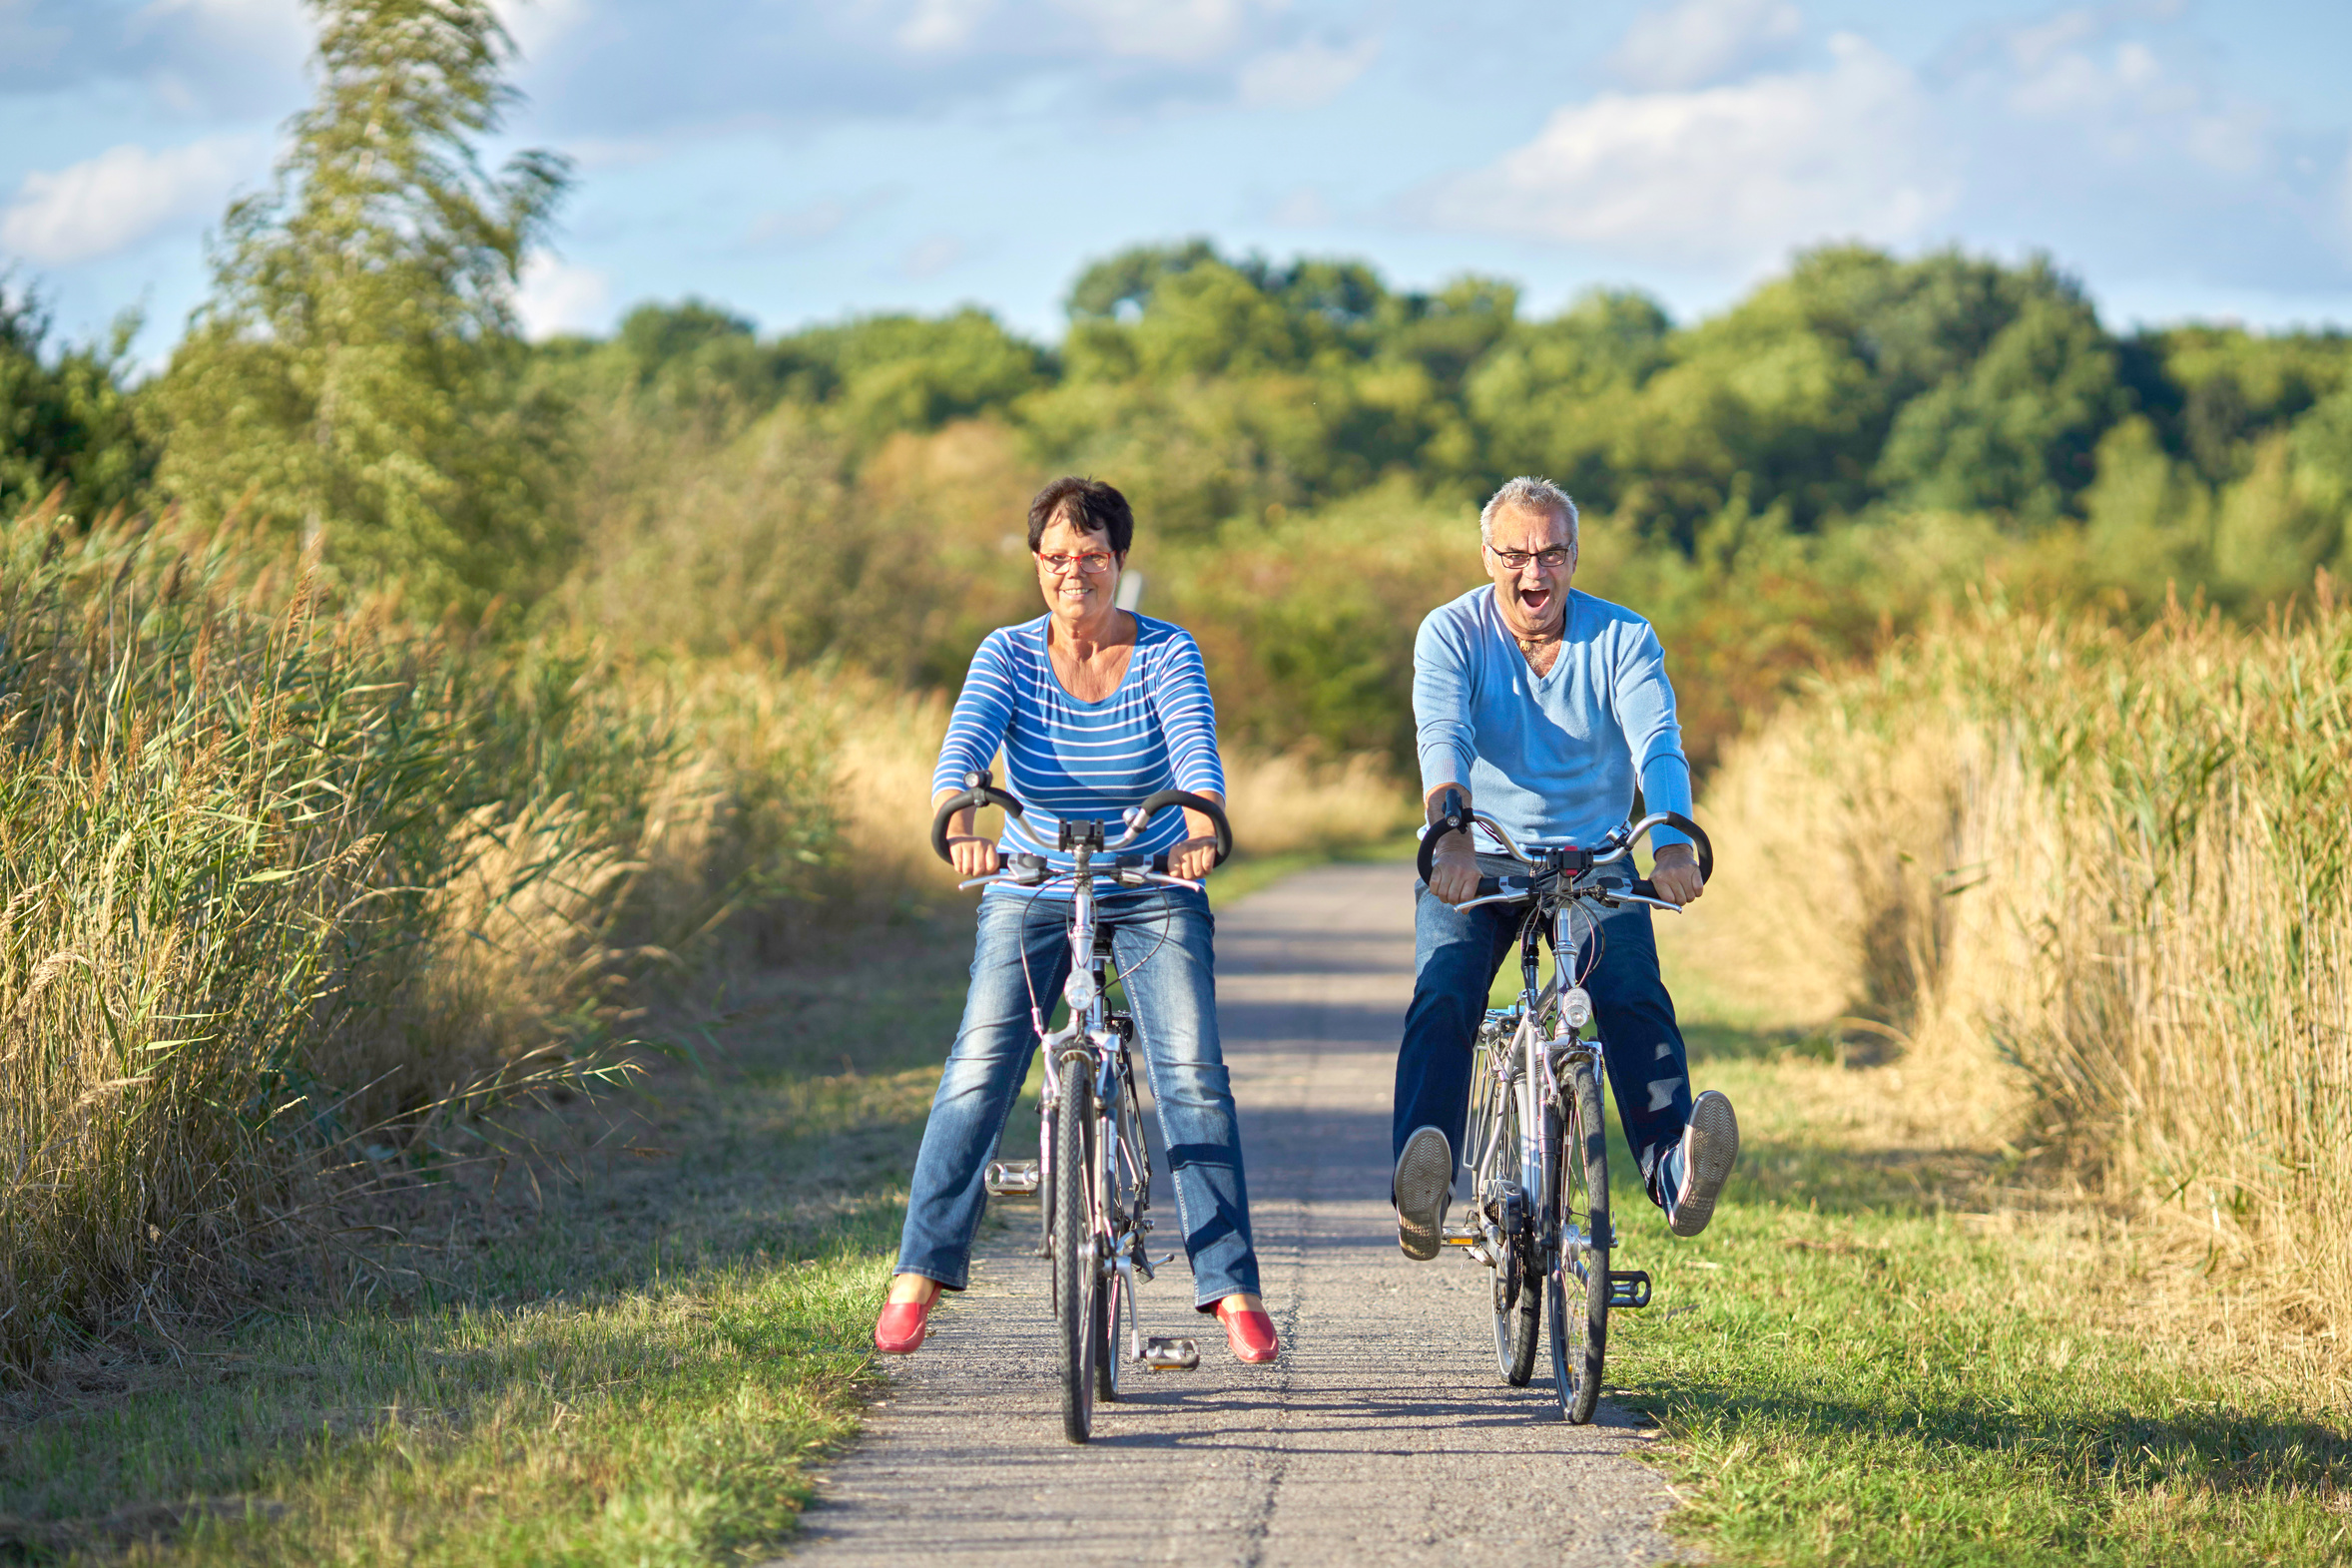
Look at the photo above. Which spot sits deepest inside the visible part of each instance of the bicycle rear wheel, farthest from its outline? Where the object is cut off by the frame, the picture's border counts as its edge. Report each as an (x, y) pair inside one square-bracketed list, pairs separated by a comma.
[(1076, 1280), (1577, 1276), (1518, 1279)]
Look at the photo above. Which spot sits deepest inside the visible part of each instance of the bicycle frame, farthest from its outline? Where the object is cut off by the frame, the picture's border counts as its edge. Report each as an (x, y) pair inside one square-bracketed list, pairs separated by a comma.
[(1096, 1040), (1525, 1219), (1542, 1038)]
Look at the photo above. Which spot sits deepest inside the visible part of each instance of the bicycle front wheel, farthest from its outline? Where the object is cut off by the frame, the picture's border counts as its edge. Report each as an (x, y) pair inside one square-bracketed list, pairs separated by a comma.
[(1110, 1292), (1076, 1278), (1577, 1277)]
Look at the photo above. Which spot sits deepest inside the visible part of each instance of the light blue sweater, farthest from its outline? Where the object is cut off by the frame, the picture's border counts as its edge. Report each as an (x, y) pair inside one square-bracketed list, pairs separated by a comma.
[(1555, 759)]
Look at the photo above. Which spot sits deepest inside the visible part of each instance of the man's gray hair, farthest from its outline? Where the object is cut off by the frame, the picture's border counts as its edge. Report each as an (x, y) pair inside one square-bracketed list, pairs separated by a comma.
[(1527, 494)]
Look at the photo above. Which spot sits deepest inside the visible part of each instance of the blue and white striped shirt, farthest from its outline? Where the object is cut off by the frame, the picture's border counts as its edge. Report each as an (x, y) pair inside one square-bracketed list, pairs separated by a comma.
[(1068, 759)]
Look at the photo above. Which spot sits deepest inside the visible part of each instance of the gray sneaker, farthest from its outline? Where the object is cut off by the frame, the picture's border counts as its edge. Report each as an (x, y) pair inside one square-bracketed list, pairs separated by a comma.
[(1710, 1143), (1424, 1184)]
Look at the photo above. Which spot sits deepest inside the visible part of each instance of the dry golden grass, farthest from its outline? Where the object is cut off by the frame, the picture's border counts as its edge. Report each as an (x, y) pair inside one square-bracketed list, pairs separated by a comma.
[(2100, 887)]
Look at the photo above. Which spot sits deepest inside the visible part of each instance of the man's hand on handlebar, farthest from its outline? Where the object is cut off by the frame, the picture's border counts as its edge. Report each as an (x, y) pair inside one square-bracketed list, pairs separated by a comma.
[(1453, 869), (1675, 874)]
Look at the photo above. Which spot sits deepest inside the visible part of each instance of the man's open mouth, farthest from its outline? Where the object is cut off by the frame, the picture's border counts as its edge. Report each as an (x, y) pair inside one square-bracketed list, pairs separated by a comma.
[(1535, 598)]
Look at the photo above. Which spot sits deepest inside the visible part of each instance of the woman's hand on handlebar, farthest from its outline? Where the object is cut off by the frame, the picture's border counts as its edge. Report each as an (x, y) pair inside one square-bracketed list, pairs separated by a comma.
[(1675, 874), (973, 856), (1196, 858)]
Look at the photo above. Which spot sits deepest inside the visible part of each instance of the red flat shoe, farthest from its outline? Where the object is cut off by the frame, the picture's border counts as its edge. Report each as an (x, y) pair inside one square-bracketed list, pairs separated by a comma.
[(899, 1330), (1248, 1333)]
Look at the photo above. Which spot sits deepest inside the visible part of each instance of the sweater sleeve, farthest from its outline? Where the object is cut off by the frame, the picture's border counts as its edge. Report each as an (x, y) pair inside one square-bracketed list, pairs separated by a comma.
[(1188, 717), (1645, 711), (1443, 735), (982, 715)]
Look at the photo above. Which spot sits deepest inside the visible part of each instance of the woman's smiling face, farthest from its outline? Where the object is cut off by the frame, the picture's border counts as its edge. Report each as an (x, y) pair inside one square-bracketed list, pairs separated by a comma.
[(1077, 571)]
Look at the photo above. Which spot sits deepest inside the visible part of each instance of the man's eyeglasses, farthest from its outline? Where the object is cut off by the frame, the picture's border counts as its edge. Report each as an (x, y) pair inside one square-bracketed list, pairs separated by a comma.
[(1093, 562), (1550, 560)]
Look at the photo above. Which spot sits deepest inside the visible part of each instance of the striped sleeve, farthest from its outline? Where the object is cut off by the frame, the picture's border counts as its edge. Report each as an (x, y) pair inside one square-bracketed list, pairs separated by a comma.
[(1188, 716), (983, 713)]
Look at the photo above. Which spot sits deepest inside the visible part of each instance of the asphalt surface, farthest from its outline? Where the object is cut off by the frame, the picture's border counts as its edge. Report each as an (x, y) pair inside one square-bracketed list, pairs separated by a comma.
[(1381, 1435)]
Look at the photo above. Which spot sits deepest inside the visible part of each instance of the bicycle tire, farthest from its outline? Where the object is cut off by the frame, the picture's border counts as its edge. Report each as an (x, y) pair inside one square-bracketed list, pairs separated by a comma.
[(1518, 1282), (1579, 1338), (1110, 1292), (1075, 1277)]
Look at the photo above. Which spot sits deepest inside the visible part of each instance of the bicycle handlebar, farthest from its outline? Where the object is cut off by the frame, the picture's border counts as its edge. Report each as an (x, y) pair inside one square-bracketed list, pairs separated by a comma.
[(1153, 804), (1457, 818), (979, 792)]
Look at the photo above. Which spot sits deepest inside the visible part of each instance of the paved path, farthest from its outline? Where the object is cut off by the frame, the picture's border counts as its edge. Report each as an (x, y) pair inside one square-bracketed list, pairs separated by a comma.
[(1383, 1435)]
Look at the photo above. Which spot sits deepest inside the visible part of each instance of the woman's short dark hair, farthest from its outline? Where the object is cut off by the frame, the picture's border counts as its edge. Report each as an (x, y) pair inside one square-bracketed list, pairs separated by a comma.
[(1093, 508)]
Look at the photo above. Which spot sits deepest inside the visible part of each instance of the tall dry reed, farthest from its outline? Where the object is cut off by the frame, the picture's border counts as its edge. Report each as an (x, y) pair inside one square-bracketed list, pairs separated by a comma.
[(2102, 885), (287, 892)]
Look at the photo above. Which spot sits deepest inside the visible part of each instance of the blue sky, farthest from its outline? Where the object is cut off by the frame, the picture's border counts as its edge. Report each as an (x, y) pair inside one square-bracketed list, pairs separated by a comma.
[(800, 162)]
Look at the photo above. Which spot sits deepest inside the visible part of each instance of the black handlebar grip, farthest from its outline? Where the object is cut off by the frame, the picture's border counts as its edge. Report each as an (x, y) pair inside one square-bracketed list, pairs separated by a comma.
[(1154, 803), (1698, 835), (1642, 889), (1489, 886), (979, 795), (1454, 819)]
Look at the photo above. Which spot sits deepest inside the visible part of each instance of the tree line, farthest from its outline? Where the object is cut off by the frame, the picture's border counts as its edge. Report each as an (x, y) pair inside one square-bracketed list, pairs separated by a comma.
[(1780, 484)]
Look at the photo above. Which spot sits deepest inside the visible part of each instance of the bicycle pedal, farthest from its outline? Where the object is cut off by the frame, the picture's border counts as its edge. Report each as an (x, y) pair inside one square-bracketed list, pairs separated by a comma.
[(1459, 1236), (1628, 1288), (1162, 1354), (1013, 1178)]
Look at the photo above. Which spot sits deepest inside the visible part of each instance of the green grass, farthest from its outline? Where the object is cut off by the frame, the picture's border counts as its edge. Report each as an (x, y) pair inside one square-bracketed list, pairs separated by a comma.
[(634, 1365), (1884, 1349), (1881, 1354)]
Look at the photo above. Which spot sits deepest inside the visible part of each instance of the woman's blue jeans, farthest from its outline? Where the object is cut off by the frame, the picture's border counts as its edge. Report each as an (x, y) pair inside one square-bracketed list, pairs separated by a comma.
[(1163, 945)]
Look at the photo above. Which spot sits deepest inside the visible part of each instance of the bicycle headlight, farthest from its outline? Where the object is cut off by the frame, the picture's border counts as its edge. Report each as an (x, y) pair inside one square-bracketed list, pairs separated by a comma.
[(1079, 991), (1576, 1007)]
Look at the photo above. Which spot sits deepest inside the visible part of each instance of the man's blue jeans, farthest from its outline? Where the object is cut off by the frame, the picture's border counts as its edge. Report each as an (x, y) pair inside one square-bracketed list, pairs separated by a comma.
[(1457, 953), (1163, 946)]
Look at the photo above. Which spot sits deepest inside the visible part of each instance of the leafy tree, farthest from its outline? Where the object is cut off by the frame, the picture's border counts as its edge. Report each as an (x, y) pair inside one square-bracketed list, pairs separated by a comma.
[(354, 375), (2017, 433), (65, 421)]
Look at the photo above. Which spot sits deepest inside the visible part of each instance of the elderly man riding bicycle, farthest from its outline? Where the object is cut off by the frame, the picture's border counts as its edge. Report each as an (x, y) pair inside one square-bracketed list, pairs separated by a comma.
[(1546, 707)]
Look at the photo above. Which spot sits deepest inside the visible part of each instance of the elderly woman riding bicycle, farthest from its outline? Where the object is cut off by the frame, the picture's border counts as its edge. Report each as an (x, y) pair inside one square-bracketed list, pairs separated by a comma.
[(1095, 709)]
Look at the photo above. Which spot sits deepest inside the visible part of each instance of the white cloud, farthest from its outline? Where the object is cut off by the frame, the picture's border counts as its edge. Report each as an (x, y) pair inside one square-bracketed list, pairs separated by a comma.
[(557, 297), (931, 257), (820, 219), (1302, 207), (536, 24), (942, 24), (1307, 75), (112, 202), (1701, 41), (1732, 174), (1176, 32), (213, 57)]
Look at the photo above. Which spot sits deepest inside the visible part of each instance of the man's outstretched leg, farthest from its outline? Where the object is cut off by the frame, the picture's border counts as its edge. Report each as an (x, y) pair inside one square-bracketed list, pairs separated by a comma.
[(1455, 953), (1684, 1148)]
